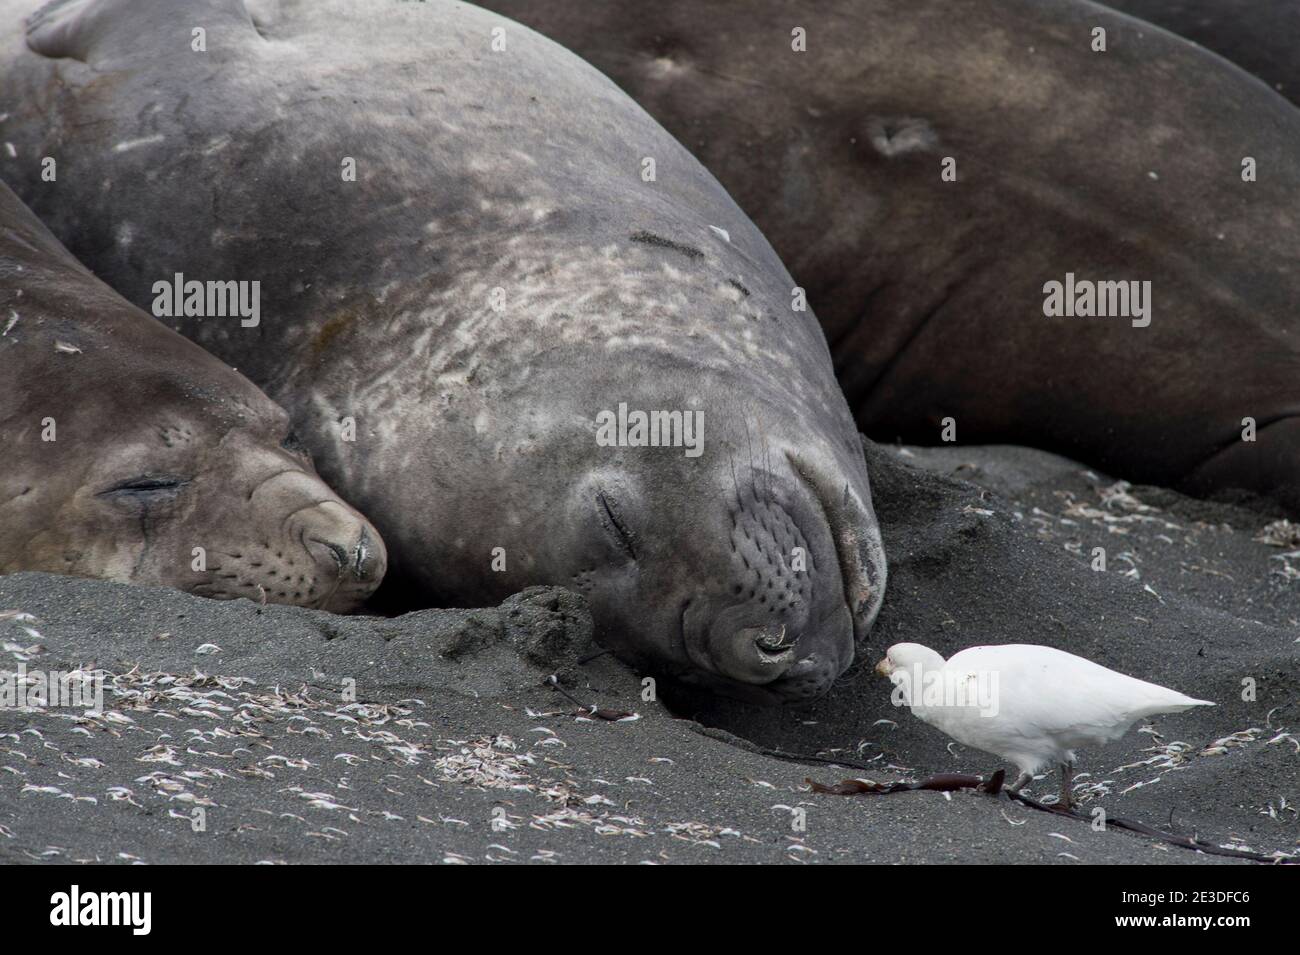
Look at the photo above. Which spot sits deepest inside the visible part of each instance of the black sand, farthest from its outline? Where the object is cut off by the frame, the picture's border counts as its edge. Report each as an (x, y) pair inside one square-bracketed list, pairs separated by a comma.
[(456, 750)]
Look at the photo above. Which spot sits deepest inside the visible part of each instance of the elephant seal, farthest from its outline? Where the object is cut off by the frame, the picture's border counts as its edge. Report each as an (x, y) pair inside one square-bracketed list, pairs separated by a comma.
[(1116, 166), (127, 446), (568, 357), (1260, 36)]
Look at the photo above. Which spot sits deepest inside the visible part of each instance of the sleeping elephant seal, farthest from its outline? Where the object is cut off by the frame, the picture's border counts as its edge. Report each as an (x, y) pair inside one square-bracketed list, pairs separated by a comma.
[(126, 447), (1260, 36), (516, 322), (935, 173)]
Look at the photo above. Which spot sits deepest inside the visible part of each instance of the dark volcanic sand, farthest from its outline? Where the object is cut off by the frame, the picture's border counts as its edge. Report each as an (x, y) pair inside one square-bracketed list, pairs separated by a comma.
[(456, 751)]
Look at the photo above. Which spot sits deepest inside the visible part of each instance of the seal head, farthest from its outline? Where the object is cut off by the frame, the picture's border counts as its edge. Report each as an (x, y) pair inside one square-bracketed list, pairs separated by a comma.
[(133, 455)]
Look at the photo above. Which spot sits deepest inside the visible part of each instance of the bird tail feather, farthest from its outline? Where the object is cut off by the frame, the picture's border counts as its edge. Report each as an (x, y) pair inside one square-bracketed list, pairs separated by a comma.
[(1177, 704)]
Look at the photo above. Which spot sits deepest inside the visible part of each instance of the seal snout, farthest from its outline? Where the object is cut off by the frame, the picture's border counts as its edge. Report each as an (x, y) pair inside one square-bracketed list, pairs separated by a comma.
[(788, 661), (755, 655), (804, 582), (774, 644), (366, 560), (783, 602), (847, 513), (348, 555), (360, 561)]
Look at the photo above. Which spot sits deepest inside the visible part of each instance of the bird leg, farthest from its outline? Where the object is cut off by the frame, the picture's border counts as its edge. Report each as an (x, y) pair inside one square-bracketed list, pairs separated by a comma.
[(1067, 777), (1021, 781)]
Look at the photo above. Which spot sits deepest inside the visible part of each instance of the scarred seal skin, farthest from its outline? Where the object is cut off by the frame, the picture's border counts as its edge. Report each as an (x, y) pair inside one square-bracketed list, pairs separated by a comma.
[(127, 447), (523, 263), (1119, 166)]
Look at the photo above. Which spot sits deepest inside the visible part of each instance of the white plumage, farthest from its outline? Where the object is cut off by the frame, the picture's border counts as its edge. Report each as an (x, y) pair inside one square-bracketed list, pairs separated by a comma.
[(1031, 705)]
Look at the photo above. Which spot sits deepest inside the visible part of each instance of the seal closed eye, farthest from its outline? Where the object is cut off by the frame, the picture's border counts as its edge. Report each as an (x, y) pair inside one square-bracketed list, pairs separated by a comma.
[(614, 524), (143, 486)]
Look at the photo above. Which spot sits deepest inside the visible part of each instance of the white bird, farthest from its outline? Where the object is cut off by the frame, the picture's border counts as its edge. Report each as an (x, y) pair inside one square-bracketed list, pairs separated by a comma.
[(1030, 705)]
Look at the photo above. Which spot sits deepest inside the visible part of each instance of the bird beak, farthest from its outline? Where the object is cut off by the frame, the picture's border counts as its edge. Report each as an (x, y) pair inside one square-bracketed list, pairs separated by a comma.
[(884, 667)]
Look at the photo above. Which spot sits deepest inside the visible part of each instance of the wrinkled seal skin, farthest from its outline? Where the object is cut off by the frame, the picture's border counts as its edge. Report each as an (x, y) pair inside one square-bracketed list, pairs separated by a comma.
[(477, 170), (158, 448), (1124, 165), (1260, 36)]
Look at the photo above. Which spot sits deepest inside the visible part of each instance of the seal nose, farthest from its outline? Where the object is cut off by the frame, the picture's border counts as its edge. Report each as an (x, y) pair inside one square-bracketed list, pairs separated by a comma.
[(344, 547), (361, 560), (755, 654), (365, 560)]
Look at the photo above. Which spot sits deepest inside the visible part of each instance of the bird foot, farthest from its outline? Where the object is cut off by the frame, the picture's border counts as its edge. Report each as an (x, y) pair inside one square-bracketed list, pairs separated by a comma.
[(1021, 781), (1067, 779)]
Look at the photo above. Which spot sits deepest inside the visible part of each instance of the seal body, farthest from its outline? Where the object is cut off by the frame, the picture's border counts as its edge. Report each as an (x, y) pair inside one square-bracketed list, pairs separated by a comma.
[(928, 169), (1260, 36), (521, 327), (132, 454)]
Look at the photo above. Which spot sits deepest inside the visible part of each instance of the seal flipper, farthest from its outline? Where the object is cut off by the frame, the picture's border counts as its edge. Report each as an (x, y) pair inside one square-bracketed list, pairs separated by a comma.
[(100, 32)]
